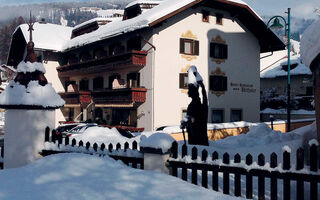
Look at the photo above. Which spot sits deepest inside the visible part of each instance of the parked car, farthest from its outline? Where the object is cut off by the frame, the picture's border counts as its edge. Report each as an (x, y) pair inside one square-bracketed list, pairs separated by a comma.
[(78, 129), (66, 127)]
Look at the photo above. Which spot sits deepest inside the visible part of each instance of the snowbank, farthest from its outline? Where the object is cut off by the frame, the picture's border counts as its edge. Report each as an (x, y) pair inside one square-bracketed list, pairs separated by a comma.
[(79, 176), (158, 140), (310, 43), (34, 94)]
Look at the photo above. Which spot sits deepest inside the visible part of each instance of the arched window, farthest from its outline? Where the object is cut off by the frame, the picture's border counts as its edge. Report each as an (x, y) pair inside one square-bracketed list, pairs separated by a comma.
[(98, 83)]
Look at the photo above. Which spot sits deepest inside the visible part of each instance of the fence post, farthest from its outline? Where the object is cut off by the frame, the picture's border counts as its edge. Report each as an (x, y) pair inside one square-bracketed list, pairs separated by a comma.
[(215, 180), (154, 159), (126, 146), (237, 178), (194, 176), (184, 170), (313, 167), (226, 175), (66, 140), (95, 147), (102, 147), (204, 157), (47, 134), (249, 178), (53, 136), (73, 142), (274, 181), (261, 182), (299, 166), (174, 152), (286, 166), (87, 145)]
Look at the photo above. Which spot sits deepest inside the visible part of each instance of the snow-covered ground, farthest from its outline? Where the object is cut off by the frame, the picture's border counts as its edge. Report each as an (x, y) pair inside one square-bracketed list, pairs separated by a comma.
[(80, 176)]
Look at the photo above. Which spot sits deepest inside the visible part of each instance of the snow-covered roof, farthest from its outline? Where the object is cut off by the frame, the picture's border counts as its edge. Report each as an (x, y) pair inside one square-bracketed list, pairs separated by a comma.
[(109, 12), (272, 66), (143, 2), (97, 19), (310, 43), (146, 19), (47, 36), (277, 69)]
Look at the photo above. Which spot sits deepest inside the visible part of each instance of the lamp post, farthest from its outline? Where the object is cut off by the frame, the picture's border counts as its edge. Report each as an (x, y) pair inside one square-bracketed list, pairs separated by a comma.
[(277, 25)]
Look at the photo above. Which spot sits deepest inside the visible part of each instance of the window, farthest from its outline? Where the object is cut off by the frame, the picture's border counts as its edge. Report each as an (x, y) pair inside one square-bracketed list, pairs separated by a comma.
[(134, 44), (115, 49), (133, 80), (309, 91), (205, 16), (98, 83), (219, 19), (236, 115), (188, 46), (84, 85), (217, 116), (218, 83), (219, 51), (183, 80), (111, 79)]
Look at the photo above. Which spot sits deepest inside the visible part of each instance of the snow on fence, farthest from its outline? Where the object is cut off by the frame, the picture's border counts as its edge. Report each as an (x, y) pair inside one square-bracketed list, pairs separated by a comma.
[(244, 171), (57, 144)]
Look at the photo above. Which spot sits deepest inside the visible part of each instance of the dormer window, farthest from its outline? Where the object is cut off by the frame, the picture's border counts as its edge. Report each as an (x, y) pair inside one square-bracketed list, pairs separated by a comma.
[(205, 16), (219, 18)]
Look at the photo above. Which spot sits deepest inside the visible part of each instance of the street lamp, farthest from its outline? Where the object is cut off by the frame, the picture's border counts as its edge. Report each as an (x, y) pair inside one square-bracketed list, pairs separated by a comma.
[(277, 26)]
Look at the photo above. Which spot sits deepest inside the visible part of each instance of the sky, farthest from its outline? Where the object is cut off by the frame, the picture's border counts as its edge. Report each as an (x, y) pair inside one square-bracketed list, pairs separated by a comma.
[(302, 9)]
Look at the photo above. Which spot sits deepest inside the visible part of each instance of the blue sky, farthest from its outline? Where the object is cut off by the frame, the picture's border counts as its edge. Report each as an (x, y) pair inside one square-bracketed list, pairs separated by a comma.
[(300, 8)]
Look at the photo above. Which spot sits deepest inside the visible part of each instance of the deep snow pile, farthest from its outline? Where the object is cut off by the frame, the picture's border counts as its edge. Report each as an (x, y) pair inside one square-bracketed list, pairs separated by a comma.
[(79, 176), (310, 43), (158, 140)]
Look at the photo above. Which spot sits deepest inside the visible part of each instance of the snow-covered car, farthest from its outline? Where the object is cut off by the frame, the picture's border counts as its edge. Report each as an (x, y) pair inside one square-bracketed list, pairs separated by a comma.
[(79, 129), (66, 127)]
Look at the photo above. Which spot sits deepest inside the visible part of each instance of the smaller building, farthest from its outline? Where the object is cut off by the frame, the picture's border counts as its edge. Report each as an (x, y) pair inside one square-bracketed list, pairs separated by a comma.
[(274, 79)]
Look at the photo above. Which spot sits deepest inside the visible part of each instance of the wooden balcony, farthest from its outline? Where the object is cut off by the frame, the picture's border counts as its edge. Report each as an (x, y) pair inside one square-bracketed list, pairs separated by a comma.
[(133, 59), (131, 97)]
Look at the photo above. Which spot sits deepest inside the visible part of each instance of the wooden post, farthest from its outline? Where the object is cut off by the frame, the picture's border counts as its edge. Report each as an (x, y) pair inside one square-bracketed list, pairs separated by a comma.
[(66, 140), (249, 178), (286, 180), (184, 170), (174, 152), (47, 134), (274, 181), (237, 178), (314, 168), (118, 146), (73, 142), (110, 147), (299, 166), (261, 179), (194, 177), (87, 145), (95, 147), (204, 157), (80, 143), (126, 146), (226, 176), (215, 180), (102, 147)]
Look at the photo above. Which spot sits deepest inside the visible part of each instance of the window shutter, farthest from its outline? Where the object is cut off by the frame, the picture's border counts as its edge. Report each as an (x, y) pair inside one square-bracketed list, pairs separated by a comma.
[(196, 47), (225, 51), (225, 84), (181, 81), (181, 45), (211, 50)]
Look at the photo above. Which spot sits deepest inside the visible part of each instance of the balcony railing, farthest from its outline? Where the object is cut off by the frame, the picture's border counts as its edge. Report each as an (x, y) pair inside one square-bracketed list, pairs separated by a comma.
[(129, 59), (107, 96)]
